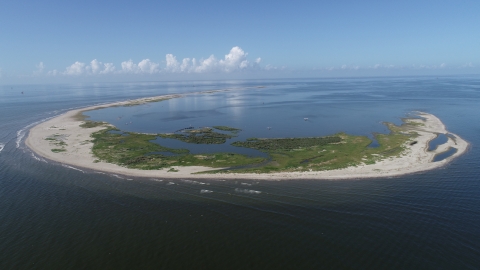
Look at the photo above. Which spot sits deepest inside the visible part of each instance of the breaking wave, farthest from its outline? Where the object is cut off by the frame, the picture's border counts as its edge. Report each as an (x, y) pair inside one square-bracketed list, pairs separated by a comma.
[(39, 158), (247, 191), (2, 146), (117, 176), (21, 132), (194, 182), (73, 168)]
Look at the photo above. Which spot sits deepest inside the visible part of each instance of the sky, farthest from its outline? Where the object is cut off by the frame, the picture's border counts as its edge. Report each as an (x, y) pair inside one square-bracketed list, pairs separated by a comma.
[(53, 41)]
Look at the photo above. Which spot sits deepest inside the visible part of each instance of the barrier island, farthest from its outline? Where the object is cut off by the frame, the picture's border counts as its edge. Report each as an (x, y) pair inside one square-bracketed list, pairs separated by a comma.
[(74, 140)]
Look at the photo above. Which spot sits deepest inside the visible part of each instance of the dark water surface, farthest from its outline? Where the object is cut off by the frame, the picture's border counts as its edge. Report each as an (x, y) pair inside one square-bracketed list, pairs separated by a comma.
[(58, 217), (439, 140)]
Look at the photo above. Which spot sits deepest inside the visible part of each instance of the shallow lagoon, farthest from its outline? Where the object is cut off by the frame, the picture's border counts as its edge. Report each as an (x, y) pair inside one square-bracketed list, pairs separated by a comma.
[(266, 112)]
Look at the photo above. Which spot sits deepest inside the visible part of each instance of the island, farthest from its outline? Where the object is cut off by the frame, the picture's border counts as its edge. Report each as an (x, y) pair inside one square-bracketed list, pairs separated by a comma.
[(73, 140)]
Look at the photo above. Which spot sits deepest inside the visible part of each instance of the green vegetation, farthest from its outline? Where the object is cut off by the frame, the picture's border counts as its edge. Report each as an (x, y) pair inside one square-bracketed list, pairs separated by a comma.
[(135, 150), (286, 143), (327, 153), (92, 124), (199, 136), (225, 128), (322, 153), (57, 140)]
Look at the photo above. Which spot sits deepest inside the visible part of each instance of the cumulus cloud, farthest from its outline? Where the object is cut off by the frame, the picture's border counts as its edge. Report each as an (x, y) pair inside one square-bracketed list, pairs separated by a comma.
[(236, 60), (108, 68), (97, 67), (145, 66), (79, 68), (441, 66), (76, 68), (344, 67), (53, 72), (40, 68)]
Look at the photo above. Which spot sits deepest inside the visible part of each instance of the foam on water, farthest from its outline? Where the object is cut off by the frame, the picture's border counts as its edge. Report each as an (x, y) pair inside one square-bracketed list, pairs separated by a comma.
[(194, 182), (73, 168), (2, 146), (205, 191), (21, 132), (39, 158), (247, 191)]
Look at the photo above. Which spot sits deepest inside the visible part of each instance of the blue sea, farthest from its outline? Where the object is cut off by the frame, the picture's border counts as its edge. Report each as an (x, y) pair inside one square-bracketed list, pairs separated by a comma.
[(54, 216)]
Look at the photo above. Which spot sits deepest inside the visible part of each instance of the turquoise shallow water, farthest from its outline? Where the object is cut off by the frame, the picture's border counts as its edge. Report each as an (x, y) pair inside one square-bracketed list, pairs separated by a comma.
[(54, 216)]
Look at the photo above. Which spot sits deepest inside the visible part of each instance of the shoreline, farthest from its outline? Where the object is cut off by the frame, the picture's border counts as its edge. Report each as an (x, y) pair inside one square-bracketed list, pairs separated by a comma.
[(78, 150)]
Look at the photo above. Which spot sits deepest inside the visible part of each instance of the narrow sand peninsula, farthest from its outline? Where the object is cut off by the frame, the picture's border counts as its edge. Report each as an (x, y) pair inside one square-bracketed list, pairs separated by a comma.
[(77, 152)]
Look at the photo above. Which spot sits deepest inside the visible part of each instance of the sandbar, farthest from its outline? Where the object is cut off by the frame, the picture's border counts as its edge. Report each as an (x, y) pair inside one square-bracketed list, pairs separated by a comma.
[(77, 150)]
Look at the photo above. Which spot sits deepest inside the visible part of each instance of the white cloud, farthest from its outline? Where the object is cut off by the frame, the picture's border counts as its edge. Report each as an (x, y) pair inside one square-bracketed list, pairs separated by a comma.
[(172, 63), (441, 66), (128, 66), (53, 72), (76, 68), (108, 68), (145, 66), (207, 65), (95, 66), (185, 67), (347, 67), (234, 61), (272, 68), (40, 68)]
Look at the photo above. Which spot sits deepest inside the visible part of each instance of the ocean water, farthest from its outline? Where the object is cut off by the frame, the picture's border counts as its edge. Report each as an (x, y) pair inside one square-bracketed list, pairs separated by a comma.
[(59, 217)]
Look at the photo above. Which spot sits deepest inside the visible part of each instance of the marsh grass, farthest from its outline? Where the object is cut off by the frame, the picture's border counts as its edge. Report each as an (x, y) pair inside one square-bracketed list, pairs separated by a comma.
[(200, 136), (134, 150), (327, 153), (92, 124)]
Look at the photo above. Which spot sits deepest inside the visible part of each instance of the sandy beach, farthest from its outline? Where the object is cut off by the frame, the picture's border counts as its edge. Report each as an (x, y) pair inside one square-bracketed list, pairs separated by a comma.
[(77, 151)]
